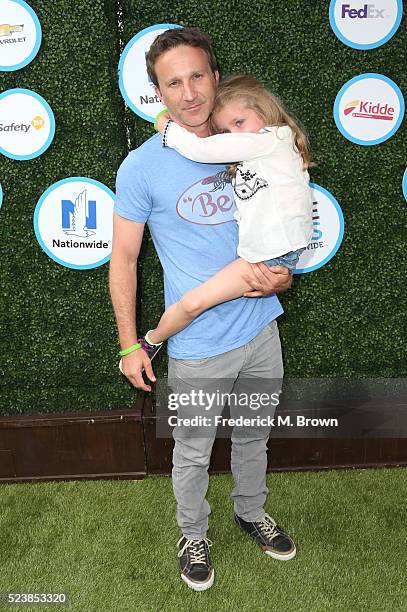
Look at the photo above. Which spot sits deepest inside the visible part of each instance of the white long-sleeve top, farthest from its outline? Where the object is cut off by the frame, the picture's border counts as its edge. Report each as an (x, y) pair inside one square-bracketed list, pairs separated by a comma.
[(272, 193)]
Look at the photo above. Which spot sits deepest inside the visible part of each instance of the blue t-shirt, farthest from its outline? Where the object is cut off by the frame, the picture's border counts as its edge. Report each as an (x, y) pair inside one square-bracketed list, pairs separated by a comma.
[(189, 210)]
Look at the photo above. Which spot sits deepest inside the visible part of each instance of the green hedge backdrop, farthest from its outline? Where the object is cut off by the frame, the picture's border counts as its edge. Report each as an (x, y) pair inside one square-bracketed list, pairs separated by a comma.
[(59, 340)]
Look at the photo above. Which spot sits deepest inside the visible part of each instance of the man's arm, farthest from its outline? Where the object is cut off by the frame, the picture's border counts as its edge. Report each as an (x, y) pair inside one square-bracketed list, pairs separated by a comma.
[(127, 237), (266, 280)]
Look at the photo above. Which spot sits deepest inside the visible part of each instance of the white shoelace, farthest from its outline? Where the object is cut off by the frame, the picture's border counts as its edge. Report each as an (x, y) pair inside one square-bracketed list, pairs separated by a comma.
[(196, 549), (268, 526)]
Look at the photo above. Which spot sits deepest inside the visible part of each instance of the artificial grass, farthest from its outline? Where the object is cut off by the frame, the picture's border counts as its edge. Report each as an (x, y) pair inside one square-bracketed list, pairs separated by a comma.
[(111, 545)]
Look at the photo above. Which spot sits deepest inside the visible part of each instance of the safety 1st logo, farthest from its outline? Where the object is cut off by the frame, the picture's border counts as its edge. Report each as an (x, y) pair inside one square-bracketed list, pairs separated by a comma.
[(37, 123)]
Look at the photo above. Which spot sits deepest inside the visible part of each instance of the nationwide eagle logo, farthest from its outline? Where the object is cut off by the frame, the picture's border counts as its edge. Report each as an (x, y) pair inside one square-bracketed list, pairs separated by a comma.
[(79, 217)]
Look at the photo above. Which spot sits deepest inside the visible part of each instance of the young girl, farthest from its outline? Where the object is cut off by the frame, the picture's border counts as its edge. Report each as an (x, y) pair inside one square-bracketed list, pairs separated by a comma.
[(270, 184)]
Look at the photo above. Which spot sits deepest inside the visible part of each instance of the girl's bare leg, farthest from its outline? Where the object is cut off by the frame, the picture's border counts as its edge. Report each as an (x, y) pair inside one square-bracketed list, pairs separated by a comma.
[(227, 284)]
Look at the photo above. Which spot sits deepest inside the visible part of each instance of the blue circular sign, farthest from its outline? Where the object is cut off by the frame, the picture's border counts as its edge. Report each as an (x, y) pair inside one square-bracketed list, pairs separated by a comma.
[(365, 25), (328, 224), (369, 109), (136, 88), (405, 184), (20, 33), (73, 222), (24, 133)]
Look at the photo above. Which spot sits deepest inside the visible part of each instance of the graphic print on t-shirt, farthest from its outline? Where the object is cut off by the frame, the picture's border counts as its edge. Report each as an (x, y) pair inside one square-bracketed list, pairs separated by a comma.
[(246, 183), (200, 203)]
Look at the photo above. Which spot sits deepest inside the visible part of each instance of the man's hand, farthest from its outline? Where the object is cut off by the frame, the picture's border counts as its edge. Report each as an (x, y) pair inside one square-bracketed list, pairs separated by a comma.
[(161, 121), (132, 365), (266, 280)]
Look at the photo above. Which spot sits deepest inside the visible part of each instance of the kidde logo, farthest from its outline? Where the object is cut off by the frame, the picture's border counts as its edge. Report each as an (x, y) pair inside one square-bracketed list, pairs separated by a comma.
[(369, 110), (368, 11), (37, 123)]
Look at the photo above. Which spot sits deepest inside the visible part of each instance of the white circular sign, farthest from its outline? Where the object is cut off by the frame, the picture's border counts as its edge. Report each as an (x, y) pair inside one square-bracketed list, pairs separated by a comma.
[(327, 219), (73, 222), (369, 109), (27, 124), (362, 24), (20, 34), (135, 86)]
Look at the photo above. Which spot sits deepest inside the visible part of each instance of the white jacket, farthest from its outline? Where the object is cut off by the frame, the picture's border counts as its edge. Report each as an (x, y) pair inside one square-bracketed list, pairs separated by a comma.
[(272, 192)]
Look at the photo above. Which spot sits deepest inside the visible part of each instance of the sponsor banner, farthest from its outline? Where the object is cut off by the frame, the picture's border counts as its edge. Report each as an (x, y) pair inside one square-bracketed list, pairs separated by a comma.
[(20, 34), (27, 124), (327, 219), (73, 222), (135, 86), (365, 25), (369, 109), (405, 184)]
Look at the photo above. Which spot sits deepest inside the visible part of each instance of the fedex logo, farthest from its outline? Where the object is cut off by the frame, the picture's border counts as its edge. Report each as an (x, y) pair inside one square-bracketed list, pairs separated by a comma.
[(368, 11)]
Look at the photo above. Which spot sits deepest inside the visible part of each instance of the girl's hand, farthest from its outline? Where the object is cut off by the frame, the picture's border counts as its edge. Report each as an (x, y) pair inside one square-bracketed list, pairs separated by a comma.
[(161, 121)]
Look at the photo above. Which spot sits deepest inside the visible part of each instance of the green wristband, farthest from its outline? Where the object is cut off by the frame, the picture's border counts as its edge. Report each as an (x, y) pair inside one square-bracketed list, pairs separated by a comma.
[(132, 348), (164, 110)]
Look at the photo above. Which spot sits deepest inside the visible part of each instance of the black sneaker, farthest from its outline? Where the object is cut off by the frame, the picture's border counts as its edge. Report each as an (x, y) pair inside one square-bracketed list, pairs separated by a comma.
[(272, 539), (196, 564)]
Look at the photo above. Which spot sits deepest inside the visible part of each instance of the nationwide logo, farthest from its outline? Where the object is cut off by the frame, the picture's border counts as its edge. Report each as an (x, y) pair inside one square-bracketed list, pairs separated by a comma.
[(73, 222), (369, 110), (368, 11), (79, 219)]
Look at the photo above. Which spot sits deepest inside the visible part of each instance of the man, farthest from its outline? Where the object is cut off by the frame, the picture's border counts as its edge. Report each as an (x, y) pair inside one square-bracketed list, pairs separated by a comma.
[(189, 209)]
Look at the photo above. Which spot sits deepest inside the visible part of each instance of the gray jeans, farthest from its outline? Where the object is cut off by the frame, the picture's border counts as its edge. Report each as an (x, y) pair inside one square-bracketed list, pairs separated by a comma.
[(261, 358)]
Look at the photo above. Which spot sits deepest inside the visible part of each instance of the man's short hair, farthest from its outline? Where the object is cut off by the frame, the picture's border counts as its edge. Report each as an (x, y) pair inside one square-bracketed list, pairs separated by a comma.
[(192, 37)]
